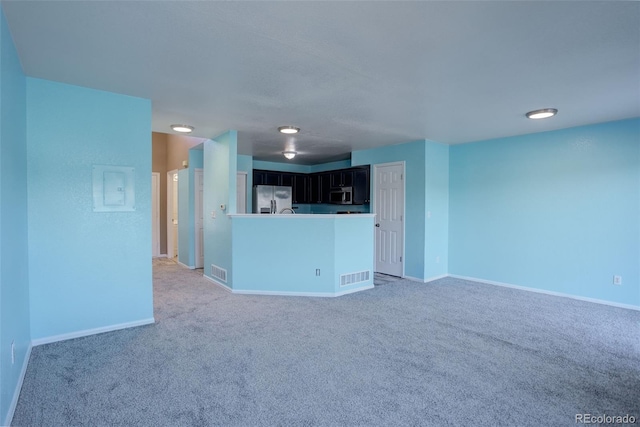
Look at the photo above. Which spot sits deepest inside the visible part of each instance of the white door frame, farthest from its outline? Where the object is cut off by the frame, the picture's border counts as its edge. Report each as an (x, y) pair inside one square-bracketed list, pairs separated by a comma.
[(199, 218), (241, 192), (155, 220), (170, 201), (404, 211)]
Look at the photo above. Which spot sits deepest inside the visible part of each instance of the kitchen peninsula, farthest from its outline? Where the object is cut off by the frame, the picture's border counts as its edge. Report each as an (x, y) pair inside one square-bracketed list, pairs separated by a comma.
[(302, 254)]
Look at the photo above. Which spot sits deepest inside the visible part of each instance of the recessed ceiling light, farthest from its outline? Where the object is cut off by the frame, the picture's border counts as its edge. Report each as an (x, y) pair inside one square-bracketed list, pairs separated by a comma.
[(542, 114), (288, 129), (289, 154), (182, 128)]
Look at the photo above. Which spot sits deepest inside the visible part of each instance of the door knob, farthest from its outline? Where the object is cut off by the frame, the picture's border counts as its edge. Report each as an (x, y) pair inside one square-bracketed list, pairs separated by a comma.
[(378, 225)]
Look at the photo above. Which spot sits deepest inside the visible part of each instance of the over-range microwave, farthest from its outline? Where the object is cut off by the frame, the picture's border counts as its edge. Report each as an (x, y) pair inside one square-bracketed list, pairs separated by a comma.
[(341, 196)]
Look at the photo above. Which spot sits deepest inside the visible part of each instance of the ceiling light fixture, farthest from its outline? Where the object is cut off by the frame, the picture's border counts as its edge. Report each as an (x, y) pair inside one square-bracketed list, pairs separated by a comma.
[(182, 128), (542, 114), (289, 154), (288, 129)]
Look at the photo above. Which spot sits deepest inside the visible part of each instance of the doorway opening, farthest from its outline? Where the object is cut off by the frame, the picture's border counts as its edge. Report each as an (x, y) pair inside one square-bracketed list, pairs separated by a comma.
[(155, 214)]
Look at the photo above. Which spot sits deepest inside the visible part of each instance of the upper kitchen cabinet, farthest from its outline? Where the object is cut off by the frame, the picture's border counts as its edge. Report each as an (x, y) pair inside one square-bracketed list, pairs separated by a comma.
[(320, 187), (301, 188), (357, 178), (262, 177), (342, 178), (361, 185), (286, 179), (299, 183)]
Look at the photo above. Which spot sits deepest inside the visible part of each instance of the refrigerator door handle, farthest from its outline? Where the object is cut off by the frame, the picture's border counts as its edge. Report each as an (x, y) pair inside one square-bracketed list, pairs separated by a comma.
[(271, 205), (275, 206)]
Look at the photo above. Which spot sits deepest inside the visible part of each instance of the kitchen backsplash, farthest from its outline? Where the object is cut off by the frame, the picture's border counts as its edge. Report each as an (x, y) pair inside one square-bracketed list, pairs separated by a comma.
[(329, 209)]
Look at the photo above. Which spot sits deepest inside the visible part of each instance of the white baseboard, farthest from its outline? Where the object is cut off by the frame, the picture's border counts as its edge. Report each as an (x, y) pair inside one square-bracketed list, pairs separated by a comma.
[(431, 279), (190, 267), (283, 293), (160, 256), (215, 282), (87, 332), (350, 291), (544, 291), (303, 294), (16, 393)]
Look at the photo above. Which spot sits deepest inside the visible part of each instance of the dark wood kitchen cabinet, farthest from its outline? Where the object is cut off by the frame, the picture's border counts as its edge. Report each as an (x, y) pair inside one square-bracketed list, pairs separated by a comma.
[(361, 185), (301, 188), (357, 178), (320, 187), (316, 187), (342, 178), (262, 177), (299, 183), (286, 179)]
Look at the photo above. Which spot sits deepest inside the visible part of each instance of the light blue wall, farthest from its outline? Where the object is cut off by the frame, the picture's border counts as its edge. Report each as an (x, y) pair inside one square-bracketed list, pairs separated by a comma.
[(276, 254), (556, 211), (354, 248), (272, 253), (186, 219), (86, 269), (187, 208), (14, 286), (437, 210), (413, 154), (220, 169), (196, 159), (245, 163), (281, 167), (342, 164), (292, 167)]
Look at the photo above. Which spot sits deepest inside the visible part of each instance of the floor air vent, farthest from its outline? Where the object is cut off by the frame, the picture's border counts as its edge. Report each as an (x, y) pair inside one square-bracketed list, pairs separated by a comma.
[(351, 278), (218, 273)]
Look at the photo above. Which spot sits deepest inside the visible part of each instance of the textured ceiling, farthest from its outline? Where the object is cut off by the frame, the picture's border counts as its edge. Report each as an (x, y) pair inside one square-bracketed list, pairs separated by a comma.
[(352, 75)]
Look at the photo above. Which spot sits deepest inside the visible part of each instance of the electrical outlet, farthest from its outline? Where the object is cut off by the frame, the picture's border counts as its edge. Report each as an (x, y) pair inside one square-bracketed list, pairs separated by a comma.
[(13, 352), (617, 280), (317, 271)]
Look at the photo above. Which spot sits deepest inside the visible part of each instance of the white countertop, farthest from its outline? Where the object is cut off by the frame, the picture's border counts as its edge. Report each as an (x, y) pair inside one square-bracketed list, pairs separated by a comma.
[(314, 216)]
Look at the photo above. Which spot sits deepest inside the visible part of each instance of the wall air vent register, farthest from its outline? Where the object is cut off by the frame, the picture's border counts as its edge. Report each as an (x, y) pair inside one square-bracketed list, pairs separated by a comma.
[(351, 278)]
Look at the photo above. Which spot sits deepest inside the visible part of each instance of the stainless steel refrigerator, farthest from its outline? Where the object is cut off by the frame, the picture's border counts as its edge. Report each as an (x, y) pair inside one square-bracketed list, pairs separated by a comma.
[(271, 199)]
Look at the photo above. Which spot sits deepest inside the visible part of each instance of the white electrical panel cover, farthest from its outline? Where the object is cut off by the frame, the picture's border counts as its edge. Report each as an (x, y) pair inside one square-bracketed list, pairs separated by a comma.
[(113, 189)]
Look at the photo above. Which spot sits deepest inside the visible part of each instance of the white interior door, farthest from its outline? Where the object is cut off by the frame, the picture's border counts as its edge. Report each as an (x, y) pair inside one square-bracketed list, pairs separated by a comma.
[(199, 214), (389, 209), (172, 214), (155, 214), (241, 188)]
